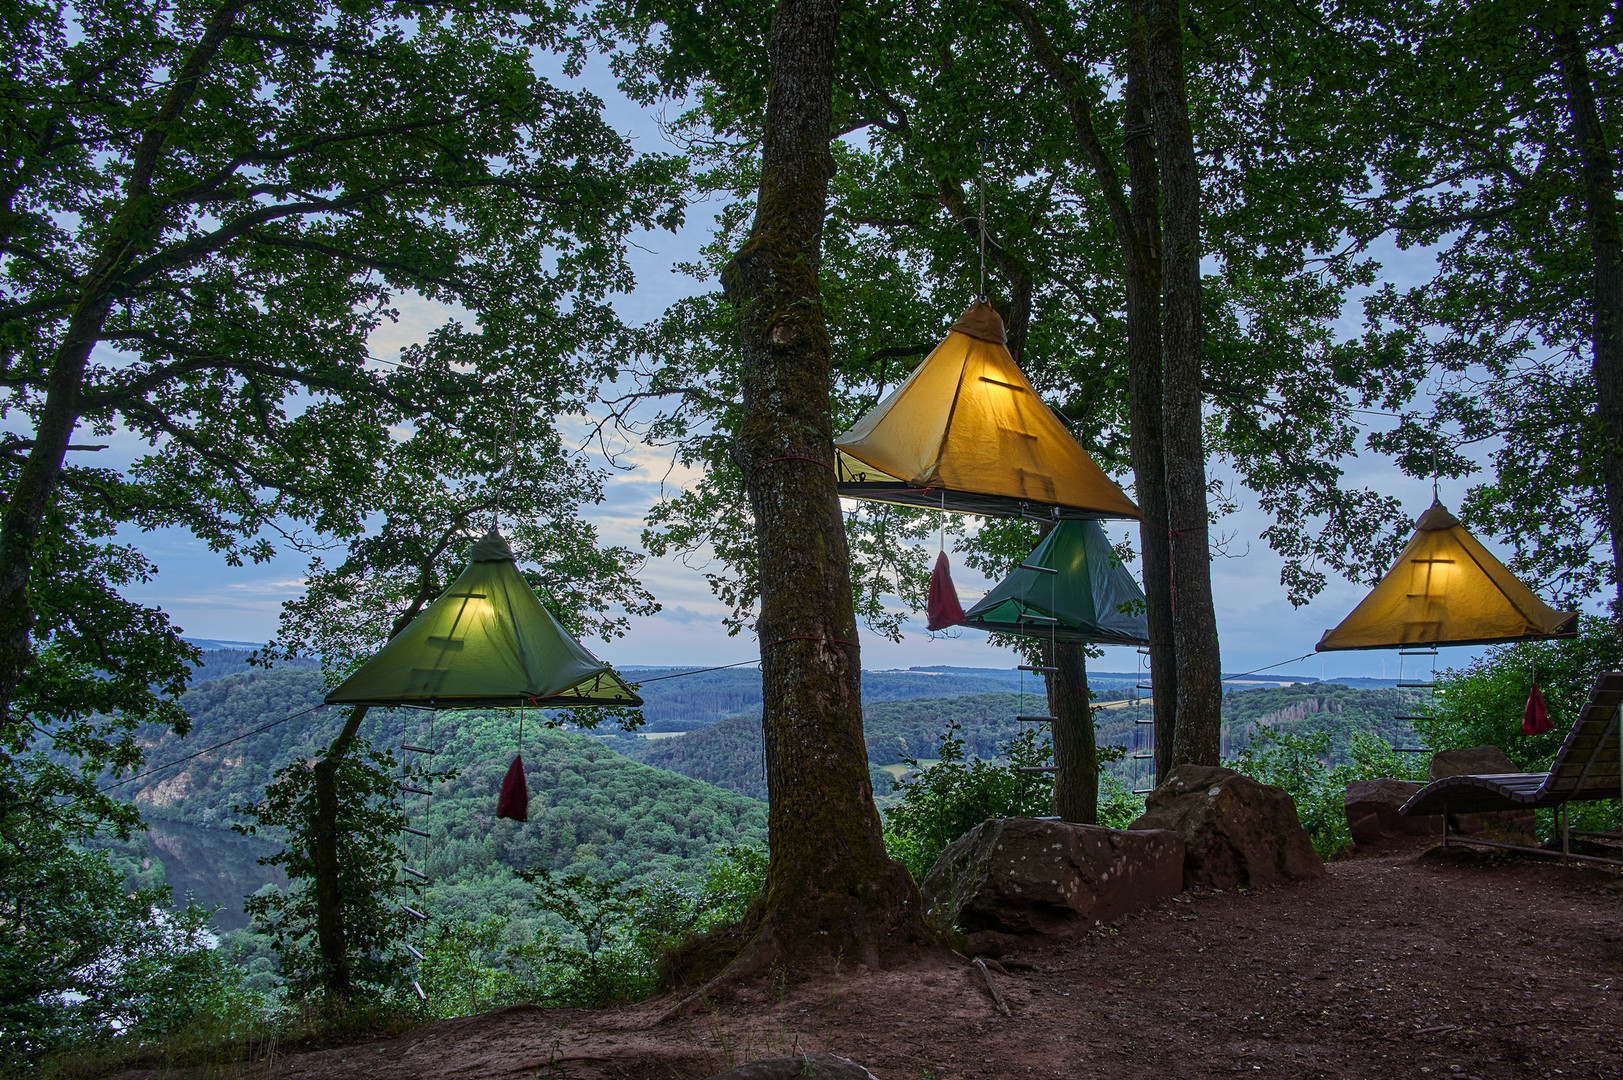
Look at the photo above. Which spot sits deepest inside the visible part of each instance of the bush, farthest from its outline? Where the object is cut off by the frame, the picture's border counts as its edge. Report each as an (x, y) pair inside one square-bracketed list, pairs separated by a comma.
[(611, 937), (1481, 704), (1297, 764), (370, 885), (939, 804)]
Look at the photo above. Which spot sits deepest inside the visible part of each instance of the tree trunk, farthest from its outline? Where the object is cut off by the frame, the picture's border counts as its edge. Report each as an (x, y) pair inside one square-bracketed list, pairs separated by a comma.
[(831, 890), (1606, 299), (330, 938), (1136, 221), (1076, 751), (1144, 387), (1198, 737), (25, 509)]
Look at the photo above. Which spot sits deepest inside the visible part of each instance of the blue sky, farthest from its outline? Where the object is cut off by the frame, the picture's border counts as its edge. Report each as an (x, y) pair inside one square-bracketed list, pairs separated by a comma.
[(1257, 625)]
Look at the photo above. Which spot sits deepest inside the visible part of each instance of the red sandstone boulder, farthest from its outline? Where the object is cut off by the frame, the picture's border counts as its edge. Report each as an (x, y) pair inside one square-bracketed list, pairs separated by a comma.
[(1010, 877), (1505, 826), (1372, 811), (1235, 831)]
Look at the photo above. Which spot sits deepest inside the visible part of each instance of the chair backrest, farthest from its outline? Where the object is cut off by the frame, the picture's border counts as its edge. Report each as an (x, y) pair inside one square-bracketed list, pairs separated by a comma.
[(1588, 761)]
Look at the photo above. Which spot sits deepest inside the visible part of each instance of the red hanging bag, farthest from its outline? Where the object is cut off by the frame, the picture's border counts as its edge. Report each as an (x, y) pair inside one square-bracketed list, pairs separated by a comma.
[(942, 609), (1535, 718), (514, 801)]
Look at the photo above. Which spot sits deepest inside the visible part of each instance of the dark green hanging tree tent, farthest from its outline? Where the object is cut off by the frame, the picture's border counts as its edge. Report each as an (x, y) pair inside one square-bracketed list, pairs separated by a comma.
[(487, 642), (1080, 602)]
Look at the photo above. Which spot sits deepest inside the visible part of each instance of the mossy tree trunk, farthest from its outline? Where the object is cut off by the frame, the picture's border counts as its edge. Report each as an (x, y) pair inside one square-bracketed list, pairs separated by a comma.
[(1197, 739), (831, 889), (1136, 220), (1076, 750), (1144, 387), (1596, 163), (332, 940)]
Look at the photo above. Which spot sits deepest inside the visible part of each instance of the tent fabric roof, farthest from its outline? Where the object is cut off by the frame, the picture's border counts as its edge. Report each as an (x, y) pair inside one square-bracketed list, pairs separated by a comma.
[(966, 431), (1446, 589), (1085, 595), (486, 642)]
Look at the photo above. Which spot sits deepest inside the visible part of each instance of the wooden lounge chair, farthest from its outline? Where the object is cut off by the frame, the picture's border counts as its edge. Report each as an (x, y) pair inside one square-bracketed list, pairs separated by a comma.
[(1586, 769)]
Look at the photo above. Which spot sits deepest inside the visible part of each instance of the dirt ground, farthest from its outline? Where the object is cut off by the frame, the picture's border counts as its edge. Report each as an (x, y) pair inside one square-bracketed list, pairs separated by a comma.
[(1406, 963)]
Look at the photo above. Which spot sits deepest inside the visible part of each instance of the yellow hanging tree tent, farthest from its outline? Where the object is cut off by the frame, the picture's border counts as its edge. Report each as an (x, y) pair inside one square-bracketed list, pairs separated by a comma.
[(1445, 589), (967, 432), (487, 642)]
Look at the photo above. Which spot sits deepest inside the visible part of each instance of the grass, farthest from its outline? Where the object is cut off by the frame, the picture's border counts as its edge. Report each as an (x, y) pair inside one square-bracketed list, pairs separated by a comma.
[(226, 1048)]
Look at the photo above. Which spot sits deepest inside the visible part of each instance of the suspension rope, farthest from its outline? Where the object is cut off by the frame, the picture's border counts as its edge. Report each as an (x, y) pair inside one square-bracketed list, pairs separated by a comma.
[(1270, 667), (211, 749), (696, 671)]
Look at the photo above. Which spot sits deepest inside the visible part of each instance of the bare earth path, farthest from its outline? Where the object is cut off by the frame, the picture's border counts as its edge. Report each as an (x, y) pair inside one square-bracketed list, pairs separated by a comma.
[(1399, 965)]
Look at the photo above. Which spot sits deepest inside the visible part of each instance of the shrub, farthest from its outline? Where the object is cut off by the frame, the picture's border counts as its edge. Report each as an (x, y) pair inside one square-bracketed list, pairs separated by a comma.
[(1297, 764), (939, 804), (1481, 704)]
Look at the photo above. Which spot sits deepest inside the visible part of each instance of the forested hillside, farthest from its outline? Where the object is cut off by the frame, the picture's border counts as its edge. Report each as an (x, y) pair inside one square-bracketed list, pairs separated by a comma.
[(728, 754), (591, 810), (678, 699)]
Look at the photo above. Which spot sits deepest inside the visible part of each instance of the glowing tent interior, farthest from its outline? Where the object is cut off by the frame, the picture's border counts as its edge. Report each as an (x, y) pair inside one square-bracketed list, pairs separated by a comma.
[(1446, 589), (487, 642), (1070, 588), (966, 432)]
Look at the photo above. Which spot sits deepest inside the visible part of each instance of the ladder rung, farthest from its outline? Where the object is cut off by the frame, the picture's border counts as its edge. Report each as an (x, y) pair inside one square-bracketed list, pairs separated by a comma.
[(1411, 749), (409, 947), (1038, 667), (1039, 618), (1142, 790), (414, 832), (1418, 652), (414, 790), (1407, 717), (413, 911), (1038, 768), (1035, 719), (1151, 721), (419, 990), (1418, 685), (1039, 569), (1144, 756), (416, 873), (417, 749), (1143, 686)]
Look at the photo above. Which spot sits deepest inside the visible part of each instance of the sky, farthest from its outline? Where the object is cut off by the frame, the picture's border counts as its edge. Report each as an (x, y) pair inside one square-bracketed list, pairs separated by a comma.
[(1257, 626)]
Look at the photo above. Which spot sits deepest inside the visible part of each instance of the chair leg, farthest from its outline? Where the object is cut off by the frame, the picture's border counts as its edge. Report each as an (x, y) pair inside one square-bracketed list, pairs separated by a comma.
[(1566, 832)]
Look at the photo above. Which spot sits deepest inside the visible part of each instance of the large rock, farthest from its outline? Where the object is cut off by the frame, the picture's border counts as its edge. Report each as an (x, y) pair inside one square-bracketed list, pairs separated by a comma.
[(1372, 811), (798, 1067), (1470, 761), (1235, 831), (1504, 826), (1011, 877)]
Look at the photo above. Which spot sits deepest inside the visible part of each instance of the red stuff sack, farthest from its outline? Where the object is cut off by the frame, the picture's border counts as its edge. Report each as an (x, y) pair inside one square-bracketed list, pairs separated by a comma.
[(514, 801), (942, 609), (1535, 718)]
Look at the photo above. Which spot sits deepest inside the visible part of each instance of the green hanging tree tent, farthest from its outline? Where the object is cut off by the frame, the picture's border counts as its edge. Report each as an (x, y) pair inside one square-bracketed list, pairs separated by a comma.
[(487, 642), (1080, 602)]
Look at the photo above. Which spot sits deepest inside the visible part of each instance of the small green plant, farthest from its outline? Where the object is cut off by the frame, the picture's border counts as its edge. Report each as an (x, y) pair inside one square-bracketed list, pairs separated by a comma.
[(939, 804), (602, 956)]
